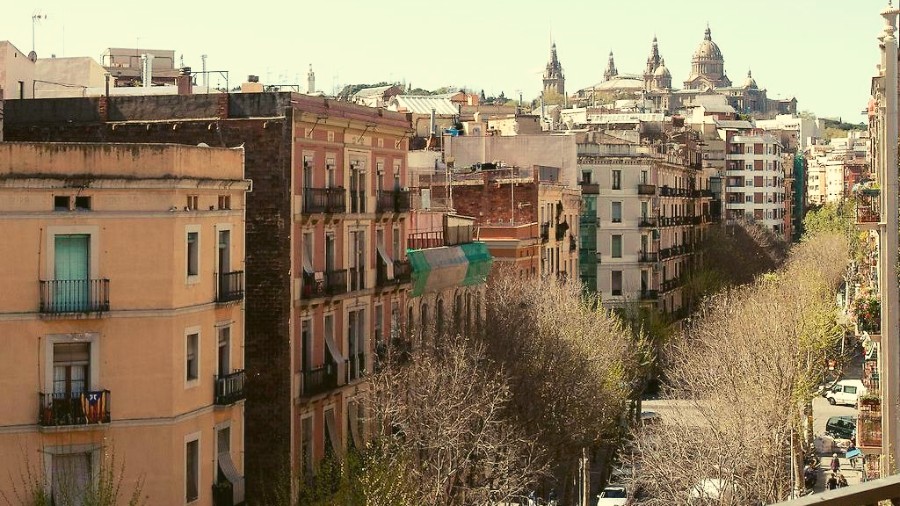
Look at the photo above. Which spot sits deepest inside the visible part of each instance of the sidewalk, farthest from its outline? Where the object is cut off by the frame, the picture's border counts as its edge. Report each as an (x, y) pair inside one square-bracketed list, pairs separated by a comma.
[(854, 476)]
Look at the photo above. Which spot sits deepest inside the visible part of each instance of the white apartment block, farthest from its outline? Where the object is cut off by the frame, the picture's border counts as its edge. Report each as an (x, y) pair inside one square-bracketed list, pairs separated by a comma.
[(754, 188)]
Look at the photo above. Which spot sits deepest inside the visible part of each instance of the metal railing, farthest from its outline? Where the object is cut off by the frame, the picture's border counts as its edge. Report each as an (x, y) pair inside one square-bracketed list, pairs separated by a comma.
[(230, 286), (392, 201), (320, 379), (667, 191), (324, 200), (74, 296), (329, 284), (646, 189), (647, 222), (649, 294), (669, 285), (648, 256), (230, 387), (449, 236), (82, 408)]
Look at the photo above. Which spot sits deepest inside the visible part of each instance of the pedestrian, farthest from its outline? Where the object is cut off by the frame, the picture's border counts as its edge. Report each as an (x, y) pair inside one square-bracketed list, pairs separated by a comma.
[(809, 477), (835, 463), (841, 480), (832, 482)]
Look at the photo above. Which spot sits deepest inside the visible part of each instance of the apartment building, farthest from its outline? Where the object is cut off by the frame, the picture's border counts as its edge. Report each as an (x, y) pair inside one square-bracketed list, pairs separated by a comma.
[(648, 206), (527, 217), (123, 319), (326, 227), (754, 172)]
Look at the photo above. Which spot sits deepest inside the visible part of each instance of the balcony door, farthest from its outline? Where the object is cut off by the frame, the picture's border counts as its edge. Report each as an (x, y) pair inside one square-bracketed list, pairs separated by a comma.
[(71, 272), (224, 251), (329, 252), (71, 477)]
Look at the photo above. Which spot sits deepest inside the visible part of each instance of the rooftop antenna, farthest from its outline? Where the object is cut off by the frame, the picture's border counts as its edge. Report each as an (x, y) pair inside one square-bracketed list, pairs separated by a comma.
[(35, 18)]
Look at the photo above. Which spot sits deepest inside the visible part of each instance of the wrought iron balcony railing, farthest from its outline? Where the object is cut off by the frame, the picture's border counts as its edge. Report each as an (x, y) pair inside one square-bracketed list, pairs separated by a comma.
[(324, 200), (324, 284), (81, 408), (320, 379), (230, 286), (74, 296), (230, 388)]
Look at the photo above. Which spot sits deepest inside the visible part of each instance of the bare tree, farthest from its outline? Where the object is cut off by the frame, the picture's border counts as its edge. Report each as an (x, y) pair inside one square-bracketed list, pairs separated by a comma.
[(567, 360), (441, 416), (744, 371)]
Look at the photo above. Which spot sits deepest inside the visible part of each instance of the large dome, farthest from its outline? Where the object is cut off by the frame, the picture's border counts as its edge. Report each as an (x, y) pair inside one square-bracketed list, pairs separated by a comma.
[(708, 50), (662, 71)]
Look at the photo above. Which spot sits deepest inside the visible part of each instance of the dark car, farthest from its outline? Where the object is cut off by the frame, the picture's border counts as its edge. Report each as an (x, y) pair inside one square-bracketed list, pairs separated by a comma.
[(841, 427)]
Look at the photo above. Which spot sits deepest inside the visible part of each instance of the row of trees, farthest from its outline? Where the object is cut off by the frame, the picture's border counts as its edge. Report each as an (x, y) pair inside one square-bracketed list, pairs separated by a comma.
[(482, 415), (744, 372)]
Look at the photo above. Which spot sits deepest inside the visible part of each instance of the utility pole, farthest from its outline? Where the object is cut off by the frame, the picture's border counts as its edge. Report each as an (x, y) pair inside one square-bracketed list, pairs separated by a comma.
[(888, 238)]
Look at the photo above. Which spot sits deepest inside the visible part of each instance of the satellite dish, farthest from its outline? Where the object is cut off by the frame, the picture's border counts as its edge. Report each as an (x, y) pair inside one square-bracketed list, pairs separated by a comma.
[(32, 56), (203, 145)]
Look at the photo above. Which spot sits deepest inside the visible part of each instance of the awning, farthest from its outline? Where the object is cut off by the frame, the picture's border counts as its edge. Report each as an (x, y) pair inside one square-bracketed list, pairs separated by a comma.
[(337, 357), (233, 476), (389, 264), (332, 432), (435, 269), (307, 264), (353, 415)]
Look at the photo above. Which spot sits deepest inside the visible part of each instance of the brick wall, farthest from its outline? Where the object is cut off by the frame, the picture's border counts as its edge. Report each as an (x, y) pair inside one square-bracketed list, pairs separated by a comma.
[(490, 204)]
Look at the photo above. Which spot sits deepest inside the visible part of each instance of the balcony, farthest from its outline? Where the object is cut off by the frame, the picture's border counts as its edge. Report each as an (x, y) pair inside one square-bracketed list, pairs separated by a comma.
[(649, 294), (669, 285), (449, 236), (675, 251), (667, 191), (648, 222), (646, 189), (320, 380), (590, 189), (674, 221), (324, 200), (74, 296), (324, 284), (868, 207), (648, 257), (397, 201), (402, 273), (230, 388), (868, 426), (230, 286), (83, 408)]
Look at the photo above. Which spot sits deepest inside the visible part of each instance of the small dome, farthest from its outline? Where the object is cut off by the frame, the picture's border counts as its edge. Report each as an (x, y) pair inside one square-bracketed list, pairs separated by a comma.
[(662, 71), (707, 48), (750, 82)]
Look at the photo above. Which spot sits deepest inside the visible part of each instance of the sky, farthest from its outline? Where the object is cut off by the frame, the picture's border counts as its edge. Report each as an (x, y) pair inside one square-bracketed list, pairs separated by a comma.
[(823, 52)]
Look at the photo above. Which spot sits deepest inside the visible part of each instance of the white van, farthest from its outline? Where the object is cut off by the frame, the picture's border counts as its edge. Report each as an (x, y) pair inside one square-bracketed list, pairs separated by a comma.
[(845, 392)]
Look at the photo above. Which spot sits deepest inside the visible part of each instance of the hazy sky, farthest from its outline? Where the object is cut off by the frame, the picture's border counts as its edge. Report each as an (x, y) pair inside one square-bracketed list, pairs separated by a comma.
[(821, 51)]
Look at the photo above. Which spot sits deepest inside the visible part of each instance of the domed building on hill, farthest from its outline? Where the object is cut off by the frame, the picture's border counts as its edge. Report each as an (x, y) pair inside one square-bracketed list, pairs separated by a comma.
[(707, 77)]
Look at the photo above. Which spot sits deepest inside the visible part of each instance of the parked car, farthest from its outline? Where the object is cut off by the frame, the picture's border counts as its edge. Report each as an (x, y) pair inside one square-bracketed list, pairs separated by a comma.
[(846, 392), (613, 495), (841, 427)]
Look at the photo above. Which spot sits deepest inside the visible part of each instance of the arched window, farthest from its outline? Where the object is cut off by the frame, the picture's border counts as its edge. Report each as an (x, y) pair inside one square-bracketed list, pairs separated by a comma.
[(423, 321), (439, 315)]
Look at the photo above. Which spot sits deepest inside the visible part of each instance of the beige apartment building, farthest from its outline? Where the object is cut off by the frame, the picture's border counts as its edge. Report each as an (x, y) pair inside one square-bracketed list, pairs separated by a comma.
[(754, 172), (122, 316)]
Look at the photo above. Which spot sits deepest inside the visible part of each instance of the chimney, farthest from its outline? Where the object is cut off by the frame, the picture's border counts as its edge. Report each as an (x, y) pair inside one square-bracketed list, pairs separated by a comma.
[(252, 85), (185, 86), (147, 69)]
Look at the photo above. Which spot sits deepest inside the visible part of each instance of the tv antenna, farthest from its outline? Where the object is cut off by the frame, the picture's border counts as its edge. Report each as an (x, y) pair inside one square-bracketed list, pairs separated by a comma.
[(35, 18)]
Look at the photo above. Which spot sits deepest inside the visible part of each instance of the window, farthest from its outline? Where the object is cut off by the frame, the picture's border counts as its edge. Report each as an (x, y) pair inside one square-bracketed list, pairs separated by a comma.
[(616, 247), (82, 203), (71, 369), (329, 171), (223, 357), (379, 323), (644, 177), (192, 357), (192, 470), (356, 331), (193, 202), (306, 446), (61, 203), (224, 202), (71, 476), (193, 253), (616, 282), (616, 179), (849, 390), (616, 212), (586, 177)]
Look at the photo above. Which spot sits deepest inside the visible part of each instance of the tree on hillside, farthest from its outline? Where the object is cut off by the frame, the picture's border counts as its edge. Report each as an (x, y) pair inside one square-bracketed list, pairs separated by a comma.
[(744, 371)]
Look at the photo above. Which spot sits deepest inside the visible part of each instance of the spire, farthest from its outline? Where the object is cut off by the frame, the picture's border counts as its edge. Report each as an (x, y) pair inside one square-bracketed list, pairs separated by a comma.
[(610, 68), (310, 81), (707, 35)]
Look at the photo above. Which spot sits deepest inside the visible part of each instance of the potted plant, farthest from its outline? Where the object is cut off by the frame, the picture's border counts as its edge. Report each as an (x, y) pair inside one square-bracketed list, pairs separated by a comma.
[(868, 313)]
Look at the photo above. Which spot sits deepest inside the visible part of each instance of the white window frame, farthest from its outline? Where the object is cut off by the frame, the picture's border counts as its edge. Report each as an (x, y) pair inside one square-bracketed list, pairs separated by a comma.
[(223, 227), (187, 332), (192, 279), (194, 436)]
